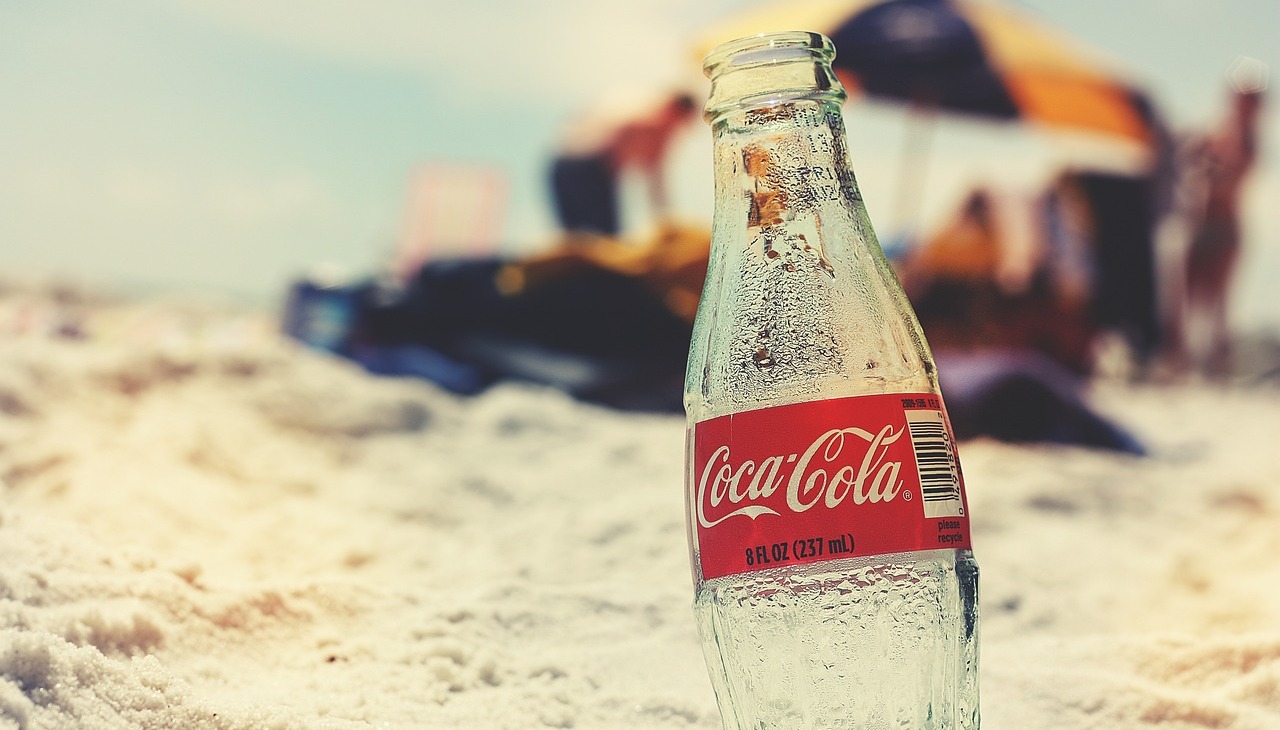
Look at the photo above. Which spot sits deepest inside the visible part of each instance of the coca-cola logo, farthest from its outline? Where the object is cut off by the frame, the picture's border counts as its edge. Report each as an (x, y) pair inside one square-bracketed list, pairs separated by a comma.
[(840, 465)]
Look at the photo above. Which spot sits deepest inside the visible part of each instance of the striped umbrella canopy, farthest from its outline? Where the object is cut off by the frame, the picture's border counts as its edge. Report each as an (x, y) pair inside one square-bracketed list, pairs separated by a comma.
[(964, 56)]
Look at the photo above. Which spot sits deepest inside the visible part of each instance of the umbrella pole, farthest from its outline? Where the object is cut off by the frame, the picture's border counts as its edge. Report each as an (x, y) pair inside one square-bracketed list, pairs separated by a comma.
[(913, 171)]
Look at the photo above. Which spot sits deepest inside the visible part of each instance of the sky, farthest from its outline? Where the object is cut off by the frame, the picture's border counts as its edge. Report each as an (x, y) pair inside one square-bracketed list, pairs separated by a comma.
[(231, 145)]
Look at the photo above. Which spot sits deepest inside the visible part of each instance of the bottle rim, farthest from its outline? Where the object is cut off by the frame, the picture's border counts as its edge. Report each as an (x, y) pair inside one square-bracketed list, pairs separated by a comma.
[(768, 48)]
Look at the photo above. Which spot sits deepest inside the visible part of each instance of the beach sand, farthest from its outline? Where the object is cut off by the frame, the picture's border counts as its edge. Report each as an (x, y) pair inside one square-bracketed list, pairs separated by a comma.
[(202, 526)]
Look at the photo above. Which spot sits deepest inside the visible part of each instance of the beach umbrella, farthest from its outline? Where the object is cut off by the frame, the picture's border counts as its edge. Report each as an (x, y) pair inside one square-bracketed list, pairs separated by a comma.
[(963, 56), (967, 57)]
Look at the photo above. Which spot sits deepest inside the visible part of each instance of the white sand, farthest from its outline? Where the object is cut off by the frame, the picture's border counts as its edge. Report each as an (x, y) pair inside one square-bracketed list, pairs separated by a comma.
[(220, 531)]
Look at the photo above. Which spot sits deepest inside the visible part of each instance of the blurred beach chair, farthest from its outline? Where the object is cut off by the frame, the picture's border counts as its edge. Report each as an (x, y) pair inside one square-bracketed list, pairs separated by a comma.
[(452, 210)]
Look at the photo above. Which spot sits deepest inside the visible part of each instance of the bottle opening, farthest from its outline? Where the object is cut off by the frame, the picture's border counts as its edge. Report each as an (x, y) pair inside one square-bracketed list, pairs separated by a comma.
[(770, 69), (768, 48)]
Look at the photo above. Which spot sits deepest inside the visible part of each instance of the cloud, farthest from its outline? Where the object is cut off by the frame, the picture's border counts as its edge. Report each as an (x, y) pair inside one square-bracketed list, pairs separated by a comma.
[(243, 202), (152, 222), (566, 48)]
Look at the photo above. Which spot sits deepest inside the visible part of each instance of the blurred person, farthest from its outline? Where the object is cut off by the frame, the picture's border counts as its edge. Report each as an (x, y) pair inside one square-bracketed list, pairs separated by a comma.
[(966, 249), (1216, 167), (977, 287), (1066, 277), (1069, 266), (951, 277), (600, 148), (1123, 212), (1011, 322)]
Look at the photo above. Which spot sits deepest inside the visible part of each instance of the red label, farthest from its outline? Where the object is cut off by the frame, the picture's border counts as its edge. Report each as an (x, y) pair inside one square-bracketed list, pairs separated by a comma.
[(830, 479)]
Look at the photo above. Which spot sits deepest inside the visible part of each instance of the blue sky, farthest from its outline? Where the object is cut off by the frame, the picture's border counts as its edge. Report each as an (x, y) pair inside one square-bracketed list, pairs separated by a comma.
[(228, 145)]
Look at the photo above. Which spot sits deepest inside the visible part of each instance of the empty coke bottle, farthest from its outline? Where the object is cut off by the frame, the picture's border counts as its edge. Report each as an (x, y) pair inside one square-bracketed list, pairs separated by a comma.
[(828, 527)]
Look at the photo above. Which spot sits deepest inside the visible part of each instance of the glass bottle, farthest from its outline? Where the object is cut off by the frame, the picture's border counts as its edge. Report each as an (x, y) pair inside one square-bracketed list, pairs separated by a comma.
[(846, 595)]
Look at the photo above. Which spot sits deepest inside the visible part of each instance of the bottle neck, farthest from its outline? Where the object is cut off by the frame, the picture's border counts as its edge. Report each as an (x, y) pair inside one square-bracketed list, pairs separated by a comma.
[(779, 139), (784, 165), (800, 302)]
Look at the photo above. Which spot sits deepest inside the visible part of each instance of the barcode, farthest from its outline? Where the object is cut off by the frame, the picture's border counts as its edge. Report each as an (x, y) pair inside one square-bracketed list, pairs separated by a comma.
[(935, 461)]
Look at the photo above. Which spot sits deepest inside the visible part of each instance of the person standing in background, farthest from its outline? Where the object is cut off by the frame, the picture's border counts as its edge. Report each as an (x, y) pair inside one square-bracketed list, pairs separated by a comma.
[(1219, 165), (599, 149)]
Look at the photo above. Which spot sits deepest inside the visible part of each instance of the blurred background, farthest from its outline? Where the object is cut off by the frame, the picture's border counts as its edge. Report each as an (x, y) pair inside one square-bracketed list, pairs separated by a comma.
[(232, 147)]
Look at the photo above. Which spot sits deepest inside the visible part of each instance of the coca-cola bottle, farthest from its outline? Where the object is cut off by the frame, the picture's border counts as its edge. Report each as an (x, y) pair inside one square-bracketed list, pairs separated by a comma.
[(828, 529)]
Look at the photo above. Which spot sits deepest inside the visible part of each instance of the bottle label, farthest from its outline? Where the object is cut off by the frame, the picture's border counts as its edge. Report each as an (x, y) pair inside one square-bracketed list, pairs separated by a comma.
[(825, 480)]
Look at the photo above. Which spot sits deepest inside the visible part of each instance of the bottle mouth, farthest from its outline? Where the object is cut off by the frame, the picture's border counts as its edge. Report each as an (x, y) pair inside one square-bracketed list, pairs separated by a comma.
[(765, 49), (770, 69)]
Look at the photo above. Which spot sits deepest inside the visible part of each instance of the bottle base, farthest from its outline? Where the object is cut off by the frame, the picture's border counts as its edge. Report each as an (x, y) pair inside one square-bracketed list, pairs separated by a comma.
[(882, 642)]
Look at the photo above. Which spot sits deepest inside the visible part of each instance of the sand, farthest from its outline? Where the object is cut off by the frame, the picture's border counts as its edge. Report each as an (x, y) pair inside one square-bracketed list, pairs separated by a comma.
[(203, 526)]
